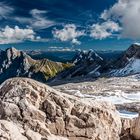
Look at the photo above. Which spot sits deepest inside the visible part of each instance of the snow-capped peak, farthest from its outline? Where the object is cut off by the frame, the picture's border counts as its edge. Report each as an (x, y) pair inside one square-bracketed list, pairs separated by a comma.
[(136, 43), (90, 55)]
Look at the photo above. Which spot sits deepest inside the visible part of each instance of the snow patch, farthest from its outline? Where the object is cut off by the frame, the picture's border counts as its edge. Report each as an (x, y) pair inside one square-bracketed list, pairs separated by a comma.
[(128, 114), (132, 67), (115, 97), (76, 93), (95, 70), (133, 96), (136, 43)]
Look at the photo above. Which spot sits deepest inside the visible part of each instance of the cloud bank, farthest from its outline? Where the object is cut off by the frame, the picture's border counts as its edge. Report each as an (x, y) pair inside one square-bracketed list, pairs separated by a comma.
[(127, 13), (104, 30)]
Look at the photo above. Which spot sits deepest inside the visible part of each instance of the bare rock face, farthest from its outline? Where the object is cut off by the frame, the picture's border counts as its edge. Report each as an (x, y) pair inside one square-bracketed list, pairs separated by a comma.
[(126, 129), (30, 110), (130, 129), (135, 128)]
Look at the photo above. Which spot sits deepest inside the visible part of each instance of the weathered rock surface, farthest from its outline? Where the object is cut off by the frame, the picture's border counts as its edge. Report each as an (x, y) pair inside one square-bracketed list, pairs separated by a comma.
[(130, 129), (135, 128), (30, 110)]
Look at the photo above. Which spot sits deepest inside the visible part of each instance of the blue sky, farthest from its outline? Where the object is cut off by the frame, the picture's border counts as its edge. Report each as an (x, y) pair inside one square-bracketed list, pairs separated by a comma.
[(69, 24)]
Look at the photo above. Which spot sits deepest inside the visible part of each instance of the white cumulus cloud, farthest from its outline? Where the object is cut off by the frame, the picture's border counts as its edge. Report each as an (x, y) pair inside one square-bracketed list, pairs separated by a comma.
[(68, 33), (127, 13), (103, 30), (15, 35), (75, 41)]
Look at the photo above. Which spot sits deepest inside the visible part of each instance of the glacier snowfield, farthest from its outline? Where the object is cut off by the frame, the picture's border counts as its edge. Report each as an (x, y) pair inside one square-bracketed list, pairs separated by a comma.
[(120, 91)]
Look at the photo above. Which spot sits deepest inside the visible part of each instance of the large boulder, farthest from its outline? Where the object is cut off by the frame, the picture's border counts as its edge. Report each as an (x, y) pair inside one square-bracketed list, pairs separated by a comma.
[(34, 111)]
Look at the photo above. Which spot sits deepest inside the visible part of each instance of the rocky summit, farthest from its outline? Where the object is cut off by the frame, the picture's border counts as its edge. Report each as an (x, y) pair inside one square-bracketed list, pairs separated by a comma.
[(33, 111), (15, 63), (86, 64), (128, 63)]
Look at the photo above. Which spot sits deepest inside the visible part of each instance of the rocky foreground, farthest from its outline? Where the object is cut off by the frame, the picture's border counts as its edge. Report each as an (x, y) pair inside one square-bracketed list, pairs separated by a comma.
[(30, 110)]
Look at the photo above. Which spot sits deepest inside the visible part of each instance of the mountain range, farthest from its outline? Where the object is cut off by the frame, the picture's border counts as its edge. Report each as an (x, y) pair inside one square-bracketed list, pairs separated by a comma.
[(15, 63), (84, 64), (91, 64)]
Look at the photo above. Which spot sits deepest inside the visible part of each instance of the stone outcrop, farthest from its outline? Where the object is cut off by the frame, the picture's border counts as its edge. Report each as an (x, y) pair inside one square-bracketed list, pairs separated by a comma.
[(130, 129), (135, 128), (30, 110)]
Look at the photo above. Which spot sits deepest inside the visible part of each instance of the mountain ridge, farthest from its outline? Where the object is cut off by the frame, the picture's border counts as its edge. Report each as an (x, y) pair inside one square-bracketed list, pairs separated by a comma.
[(128, 63), (85, 64), (90, 65), (15, 63)]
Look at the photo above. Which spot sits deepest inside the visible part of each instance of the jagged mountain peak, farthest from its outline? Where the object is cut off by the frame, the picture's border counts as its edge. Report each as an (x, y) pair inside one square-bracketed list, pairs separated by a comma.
[(133, 51), (84, 56), (12, 50), (129, 62), (86, 64), (10, 54), (15, 63)]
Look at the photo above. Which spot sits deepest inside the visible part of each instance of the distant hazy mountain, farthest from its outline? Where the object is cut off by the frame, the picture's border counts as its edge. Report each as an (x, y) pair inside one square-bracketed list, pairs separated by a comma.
[(59, 56), (15, 63)]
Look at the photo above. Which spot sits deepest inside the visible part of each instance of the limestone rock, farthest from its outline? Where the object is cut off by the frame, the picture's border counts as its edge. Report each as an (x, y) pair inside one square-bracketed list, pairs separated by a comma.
[(9, 131), (38, 112), (135, 128), (130, 128)]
